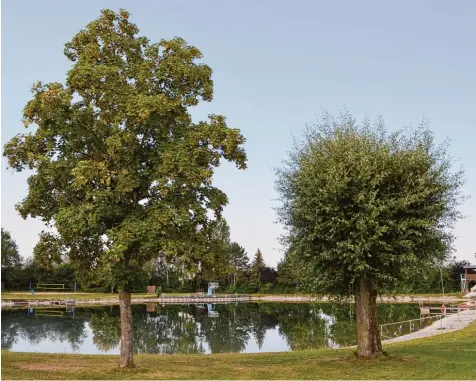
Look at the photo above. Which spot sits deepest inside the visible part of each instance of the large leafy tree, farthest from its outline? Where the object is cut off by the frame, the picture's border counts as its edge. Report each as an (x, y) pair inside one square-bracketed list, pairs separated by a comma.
[(10, 256), (11, 259), (362, 207), (48, 251), (120, 169)]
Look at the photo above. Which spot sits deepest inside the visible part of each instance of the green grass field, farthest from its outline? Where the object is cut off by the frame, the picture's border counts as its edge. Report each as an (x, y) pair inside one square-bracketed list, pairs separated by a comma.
[(11, 295), (448, 356)]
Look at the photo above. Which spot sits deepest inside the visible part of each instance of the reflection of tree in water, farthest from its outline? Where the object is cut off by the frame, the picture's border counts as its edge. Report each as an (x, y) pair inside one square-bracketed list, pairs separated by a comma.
[(263, 318), (229, 332), (36, 329), (309, 326), (106, 329), (392, 313), (172, 329), (302, 327), (10, 332), (189, 329)]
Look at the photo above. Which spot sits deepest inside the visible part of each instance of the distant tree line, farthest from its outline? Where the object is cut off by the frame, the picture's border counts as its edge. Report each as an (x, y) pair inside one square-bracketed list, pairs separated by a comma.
[(226, 262)]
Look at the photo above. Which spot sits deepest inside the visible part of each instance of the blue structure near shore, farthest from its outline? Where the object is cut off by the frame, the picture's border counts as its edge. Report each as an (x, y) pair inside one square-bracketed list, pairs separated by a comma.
[(212, 286)]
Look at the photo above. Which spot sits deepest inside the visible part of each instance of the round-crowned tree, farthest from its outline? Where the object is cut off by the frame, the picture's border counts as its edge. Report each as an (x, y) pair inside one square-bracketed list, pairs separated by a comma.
[(120, 169), (363, 207)]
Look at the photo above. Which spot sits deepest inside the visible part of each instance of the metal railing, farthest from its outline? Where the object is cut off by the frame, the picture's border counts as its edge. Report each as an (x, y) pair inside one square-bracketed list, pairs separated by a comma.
[(411, 321)]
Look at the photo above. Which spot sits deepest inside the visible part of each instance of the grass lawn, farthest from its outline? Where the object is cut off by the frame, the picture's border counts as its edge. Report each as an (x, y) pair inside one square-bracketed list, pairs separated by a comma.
[(447, 356), (44, 295), (13, 295)]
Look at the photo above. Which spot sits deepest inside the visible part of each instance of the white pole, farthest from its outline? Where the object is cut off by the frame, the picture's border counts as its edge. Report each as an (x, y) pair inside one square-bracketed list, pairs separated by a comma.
[(443, 289)]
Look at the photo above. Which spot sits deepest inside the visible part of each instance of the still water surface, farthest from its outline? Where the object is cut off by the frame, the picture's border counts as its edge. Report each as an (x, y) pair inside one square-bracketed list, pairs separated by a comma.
[(247, 327)]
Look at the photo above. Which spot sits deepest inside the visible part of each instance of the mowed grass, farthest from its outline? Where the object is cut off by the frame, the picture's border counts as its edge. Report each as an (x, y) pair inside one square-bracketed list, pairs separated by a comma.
[(447, 356), (43, 295)]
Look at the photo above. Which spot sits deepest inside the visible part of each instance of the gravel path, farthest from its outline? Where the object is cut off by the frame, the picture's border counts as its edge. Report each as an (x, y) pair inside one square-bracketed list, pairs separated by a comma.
[(450, 323)]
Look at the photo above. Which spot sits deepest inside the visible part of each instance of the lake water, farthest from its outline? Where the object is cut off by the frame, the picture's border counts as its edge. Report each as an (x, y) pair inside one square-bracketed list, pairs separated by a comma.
[(244, 327)]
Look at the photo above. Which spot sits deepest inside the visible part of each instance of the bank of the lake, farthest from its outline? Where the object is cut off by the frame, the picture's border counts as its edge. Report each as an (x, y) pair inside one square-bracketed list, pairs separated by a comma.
[(84, 298), (447, 356)]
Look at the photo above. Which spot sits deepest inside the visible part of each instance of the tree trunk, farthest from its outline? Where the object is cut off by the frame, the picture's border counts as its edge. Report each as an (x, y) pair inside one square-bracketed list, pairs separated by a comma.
[(368, 335), (126, 330)]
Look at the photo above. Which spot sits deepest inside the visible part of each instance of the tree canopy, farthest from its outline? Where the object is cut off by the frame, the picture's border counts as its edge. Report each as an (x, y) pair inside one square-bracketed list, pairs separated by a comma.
[(11, 261), (363, 206), (120, 168), (10, 256)]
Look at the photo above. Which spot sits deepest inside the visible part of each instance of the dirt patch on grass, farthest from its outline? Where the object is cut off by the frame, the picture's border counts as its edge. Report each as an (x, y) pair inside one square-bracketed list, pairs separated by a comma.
[(51, 367)]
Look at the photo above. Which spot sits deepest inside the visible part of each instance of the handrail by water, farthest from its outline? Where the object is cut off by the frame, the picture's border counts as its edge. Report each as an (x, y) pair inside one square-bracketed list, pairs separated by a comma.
[(440, 316), (407, 321)]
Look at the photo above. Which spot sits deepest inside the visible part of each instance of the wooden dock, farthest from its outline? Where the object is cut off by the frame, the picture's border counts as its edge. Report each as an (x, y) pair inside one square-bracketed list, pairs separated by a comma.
[(439, 310)]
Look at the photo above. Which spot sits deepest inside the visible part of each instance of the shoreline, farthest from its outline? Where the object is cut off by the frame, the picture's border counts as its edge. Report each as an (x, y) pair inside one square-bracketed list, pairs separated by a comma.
[(5, 303)]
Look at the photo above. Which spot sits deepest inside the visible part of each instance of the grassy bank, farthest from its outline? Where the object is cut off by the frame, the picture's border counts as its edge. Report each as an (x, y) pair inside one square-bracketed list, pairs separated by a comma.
[(448, 356), (12, 295)]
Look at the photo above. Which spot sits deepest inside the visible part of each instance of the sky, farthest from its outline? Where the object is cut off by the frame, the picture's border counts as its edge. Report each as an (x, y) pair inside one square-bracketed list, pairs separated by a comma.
[(277, 65)]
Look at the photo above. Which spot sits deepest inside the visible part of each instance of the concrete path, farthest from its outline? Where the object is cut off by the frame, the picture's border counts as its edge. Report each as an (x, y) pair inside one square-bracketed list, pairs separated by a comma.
[(450, 323)]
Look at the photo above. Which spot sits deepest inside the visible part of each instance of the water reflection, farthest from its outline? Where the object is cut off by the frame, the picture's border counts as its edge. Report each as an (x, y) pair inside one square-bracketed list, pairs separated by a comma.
[(192, 329)]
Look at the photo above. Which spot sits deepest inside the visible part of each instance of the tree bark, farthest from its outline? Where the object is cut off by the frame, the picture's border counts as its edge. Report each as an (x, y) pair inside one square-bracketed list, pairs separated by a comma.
[(368, 335), (127, 360)]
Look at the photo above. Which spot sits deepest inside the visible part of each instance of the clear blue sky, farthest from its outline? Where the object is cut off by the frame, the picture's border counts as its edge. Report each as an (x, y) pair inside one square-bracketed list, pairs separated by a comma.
[(277, 65)]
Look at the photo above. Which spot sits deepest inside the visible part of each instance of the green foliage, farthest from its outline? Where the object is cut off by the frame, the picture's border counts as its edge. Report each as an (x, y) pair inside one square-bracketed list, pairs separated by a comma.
[(120, 169), (10, 256), (11, 261), (257, 268), (362, 203), (215, 264), (287, 275), (239, 263), (48, 251)]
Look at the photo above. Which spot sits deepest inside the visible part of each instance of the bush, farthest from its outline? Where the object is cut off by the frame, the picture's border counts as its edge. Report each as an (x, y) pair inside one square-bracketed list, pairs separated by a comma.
[(266, 288)]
